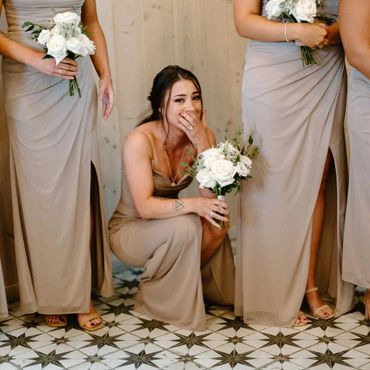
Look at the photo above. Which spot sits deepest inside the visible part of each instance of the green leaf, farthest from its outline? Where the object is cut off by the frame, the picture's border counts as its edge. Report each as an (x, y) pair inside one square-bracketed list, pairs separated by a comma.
[(28, 26)]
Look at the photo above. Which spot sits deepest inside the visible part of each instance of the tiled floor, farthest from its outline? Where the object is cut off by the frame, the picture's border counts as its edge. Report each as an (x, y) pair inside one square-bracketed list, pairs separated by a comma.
[(131, 341)]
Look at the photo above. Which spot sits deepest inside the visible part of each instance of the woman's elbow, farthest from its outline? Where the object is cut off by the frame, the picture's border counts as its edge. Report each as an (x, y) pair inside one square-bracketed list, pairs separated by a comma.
[(357, 58), (240, 28), (143, 212)]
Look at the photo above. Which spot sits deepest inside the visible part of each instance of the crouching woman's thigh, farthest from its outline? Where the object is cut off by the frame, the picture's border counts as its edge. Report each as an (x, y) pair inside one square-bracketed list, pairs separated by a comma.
[(135, 242)]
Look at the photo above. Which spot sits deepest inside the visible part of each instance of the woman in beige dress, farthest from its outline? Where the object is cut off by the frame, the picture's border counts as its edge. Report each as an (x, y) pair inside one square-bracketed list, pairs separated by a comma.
[(292, 210), (186, 255), (355, 31), (55, 178)]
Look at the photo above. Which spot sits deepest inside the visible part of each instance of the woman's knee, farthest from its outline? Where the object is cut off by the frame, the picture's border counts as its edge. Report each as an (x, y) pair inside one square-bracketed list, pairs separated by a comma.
[(186, 227)]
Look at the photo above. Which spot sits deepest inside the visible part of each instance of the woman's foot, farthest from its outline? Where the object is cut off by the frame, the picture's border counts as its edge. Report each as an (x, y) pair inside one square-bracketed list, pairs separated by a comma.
[(301, 320), (90, 321), (318, 309), (56, 321)]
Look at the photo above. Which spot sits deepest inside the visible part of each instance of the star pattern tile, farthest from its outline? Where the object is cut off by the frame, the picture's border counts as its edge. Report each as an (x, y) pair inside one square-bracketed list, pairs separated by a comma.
[(130, 340)]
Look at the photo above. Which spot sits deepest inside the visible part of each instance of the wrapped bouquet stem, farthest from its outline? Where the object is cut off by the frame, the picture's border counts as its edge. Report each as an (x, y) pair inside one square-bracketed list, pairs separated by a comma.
[(64, 37)]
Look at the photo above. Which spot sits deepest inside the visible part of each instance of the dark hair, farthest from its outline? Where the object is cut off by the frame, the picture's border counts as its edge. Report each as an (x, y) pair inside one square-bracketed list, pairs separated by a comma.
[(162, 83)]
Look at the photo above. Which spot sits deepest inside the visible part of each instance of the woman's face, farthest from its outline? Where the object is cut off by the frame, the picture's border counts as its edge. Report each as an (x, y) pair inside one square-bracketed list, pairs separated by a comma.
[(184, 97)]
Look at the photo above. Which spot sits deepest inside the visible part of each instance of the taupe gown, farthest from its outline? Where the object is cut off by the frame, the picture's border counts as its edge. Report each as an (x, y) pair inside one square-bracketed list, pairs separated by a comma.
[(52, 148), (3, 305), (296, 115), (173, 284), (356, 254)]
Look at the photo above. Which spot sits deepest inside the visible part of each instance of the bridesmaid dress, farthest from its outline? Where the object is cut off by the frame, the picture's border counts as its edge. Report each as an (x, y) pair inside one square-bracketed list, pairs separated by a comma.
[(296, 114), (3, 305), (54, 168), (356, 254), (173, 285)]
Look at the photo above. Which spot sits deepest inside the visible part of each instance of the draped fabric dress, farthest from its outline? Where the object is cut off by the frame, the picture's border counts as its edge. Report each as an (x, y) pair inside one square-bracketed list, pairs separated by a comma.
[(296, 116), (356, 254), (3, 305), (173, 284), (54, 176)]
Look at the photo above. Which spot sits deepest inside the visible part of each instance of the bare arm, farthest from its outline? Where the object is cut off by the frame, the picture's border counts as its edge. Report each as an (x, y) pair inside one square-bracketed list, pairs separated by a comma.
[(354, 20), (250, 24), (137, 162), (90, 20)]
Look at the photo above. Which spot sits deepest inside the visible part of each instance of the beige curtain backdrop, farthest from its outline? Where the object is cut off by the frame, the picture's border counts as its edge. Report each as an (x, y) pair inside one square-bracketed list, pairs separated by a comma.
[(143, 36)]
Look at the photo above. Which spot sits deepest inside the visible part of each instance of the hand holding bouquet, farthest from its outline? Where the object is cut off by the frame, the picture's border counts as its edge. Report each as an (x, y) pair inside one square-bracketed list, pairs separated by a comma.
[(220, 169), (295, 11), (64, 37)]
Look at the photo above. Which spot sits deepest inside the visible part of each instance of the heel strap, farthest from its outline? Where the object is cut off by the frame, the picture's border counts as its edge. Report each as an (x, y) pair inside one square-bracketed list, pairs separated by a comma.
[(312, 289)]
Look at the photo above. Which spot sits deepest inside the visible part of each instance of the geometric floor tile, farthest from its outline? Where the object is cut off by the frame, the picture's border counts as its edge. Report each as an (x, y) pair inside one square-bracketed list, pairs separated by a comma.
[(132, 341)]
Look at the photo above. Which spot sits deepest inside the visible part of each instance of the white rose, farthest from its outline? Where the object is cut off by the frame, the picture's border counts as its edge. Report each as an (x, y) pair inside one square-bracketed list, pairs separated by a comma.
[(56, 30), (273, 9), (57, 48), (67, 17), (44, 37), (76, 46), (223, 171), (305, 10), (211, 155), (88, 44), (244, 166), (204, 177)]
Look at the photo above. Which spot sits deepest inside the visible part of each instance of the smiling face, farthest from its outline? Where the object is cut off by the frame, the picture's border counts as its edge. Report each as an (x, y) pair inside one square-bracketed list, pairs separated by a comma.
[(183, 97)]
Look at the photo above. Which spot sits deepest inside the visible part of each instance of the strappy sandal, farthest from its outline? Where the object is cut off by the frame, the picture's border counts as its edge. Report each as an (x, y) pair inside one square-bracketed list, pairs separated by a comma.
[(56, 321), (87, 322), (301, 323), (315, 314)]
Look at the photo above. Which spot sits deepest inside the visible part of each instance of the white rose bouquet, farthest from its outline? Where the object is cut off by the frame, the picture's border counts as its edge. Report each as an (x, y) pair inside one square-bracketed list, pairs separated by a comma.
[(295, 11), (221, 168), (64, 37)]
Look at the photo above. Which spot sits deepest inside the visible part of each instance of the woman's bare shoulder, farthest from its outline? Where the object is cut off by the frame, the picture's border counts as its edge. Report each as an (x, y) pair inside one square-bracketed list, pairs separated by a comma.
[(141, 138)]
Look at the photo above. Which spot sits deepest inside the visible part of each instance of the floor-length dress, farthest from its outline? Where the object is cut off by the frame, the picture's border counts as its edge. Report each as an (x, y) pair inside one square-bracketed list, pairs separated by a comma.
[(3, 305), (54, 164), (296, 115), (173, 284), (356, 248)]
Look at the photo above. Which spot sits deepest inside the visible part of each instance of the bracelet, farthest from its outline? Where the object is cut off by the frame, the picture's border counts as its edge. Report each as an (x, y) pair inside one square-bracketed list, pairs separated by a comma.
[(285, 32), (105, 76)]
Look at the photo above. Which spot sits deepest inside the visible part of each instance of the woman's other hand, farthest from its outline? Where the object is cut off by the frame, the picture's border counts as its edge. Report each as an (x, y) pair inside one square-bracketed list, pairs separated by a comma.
[(333, 35), (67, 69), (212, 209), (307, 34), (196, 129), (106, 95)]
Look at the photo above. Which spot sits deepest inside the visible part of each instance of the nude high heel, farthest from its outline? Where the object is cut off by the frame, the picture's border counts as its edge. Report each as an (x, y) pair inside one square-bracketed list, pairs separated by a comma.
[(316, 314)]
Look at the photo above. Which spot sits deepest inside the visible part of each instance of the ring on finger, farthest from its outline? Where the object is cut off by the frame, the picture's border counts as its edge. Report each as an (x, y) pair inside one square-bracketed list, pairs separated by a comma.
[(211, 214), (61, 72)]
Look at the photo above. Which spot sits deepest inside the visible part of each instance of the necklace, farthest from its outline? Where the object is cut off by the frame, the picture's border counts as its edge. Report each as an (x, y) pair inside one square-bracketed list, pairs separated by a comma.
[(172, 177)]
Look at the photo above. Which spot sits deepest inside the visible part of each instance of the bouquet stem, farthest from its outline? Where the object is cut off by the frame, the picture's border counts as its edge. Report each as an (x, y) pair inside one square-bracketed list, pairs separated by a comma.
[(306, 54), (221, 223), (73, 85)]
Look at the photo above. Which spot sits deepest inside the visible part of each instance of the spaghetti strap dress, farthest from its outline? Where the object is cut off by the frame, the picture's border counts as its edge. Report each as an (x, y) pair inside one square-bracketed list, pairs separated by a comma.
[(174, 286)]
